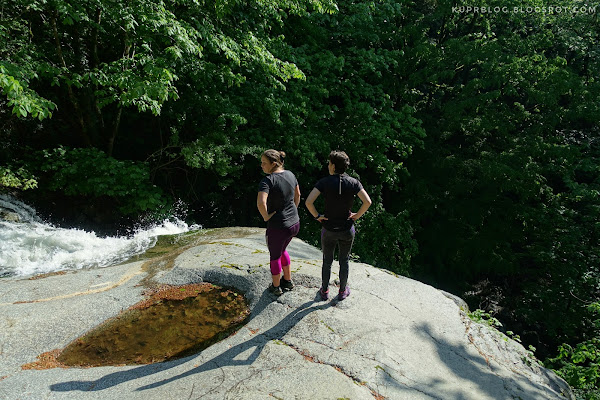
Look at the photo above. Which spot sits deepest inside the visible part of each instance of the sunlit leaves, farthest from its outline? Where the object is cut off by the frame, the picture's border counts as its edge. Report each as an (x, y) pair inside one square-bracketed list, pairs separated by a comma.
[(17, 178), (24, 101)]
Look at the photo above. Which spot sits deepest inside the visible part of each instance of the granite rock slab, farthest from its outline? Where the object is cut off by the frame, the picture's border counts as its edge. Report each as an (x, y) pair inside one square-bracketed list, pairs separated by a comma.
[(392, 338)]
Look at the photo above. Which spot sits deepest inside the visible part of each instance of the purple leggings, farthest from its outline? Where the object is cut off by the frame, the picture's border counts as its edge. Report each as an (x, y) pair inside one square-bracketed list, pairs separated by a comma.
[(277, 241)]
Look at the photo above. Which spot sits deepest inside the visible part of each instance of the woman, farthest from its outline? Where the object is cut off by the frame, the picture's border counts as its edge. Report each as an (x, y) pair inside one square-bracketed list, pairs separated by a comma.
[(339, 190), (277, 201)]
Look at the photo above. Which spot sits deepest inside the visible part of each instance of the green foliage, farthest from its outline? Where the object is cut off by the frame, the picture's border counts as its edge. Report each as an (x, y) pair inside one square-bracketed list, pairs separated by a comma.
[(18, 178), (502, 189), (92, 174), (385, 239), (24, 101), (579, 365), (482, 317), (103, 63)]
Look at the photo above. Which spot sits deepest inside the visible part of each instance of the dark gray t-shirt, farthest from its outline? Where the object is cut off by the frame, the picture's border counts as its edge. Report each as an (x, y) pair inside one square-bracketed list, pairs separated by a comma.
[(281, 188), (339, 191)]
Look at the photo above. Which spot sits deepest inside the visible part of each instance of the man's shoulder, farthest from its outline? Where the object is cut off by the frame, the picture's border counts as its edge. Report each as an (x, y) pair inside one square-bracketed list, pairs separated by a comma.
[(323, 182), (353, 184), (352, 179)]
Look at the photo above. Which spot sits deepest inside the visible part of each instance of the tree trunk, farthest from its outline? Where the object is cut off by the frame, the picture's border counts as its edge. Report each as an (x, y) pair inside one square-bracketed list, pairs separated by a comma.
[(72, 98), (94, 63), (115, 130)]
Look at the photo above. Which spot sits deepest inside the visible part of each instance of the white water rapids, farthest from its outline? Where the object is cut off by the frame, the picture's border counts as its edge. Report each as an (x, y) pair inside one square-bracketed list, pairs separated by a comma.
[(32, 246)]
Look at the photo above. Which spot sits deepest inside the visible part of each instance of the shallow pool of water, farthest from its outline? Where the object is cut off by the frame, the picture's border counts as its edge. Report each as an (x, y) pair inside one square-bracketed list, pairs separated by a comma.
[(174, 322)]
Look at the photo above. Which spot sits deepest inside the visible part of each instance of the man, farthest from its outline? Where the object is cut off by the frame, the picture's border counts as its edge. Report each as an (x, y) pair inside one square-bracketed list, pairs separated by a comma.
[(339, 190)]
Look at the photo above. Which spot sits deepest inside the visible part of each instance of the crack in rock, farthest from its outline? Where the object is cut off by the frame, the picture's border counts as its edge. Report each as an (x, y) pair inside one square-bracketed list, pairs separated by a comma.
[(338, 368), (374, 391)]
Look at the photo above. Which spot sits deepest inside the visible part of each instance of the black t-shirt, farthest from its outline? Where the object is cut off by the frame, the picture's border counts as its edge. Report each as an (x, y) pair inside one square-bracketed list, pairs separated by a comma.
[(339, 191), (281, 188)]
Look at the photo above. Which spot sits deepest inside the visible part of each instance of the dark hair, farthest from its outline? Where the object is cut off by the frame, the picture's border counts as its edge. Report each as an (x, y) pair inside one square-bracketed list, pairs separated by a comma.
[(340, 159), (275, 156)]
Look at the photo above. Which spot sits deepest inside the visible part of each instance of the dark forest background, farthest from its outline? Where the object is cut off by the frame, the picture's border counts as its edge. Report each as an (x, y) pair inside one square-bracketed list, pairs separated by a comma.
[(475, 131)]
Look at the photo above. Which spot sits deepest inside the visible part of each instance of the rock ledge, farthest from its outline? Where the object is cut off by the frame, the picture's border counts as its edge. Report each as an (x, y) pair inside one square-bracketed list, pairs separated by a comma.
[(393, 338)]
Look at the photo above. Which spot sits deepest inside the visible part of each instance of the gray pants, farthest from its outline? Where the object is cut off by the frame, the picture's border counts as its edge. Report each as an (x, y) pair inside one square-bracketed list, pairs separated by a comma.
[(329, 240)]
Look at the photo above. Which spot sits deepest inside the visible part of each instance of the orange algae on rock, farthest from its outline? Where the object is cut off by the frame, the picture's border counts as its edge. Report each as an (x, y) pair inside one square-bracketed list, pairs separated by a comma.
[(47, 274), (169, 292), (45, 360)]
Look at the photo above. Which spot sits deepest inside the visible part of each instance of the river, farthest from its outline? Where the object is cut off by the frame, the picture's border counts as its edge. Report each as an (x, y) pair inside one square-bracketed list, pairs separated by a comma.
[(29, 245)]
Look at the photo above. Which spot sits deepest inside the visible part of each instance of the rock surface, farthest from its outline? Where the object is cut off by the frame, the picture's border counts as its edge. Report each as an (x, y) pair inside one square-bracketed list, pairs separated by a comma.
[(393, 338), (9, 216)]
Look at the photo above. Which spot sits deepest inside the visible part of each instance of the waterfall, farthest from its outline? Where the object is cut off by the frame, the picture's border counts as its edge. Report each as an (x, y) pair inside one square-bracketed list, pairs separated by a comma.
[(29, 245)]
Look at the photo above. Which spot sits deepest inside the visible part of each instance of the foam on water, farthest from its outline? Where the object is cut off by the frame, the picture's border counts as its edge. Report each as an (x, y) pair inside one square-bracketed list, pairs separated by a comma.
[(32, 246)]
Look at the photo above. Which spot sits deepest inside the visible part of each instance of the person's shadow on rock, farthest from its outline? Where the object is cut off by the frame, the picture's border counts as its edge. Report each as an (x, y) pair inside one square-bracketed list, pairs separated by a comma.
[(227, 358)]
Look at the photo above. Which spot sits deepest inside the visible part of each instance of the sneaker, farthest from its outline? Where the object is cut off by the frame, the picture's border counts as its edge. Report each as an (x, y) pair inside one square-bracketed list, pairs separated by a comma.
[(343, 294), (286, 285), (276, 290), (324, 294)]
